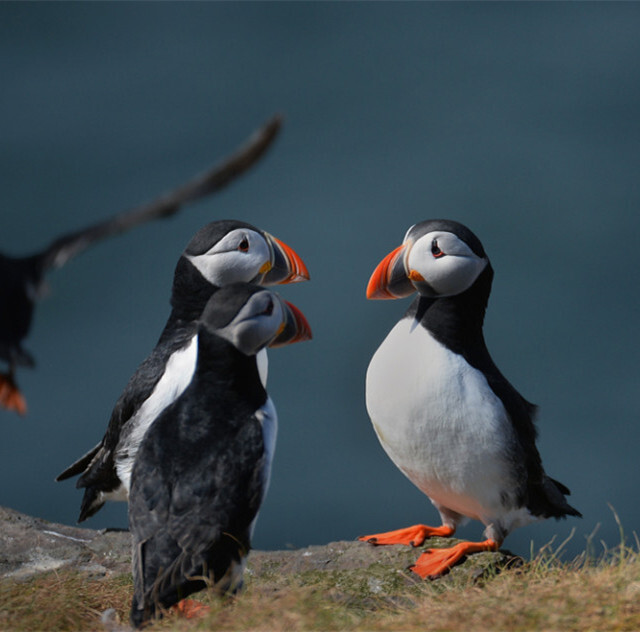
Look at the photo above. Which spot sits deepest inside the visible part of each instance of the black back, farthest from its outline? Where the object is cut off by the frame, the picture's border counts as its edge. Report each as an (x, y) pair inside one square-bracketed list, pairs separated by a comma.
[(197, 483)]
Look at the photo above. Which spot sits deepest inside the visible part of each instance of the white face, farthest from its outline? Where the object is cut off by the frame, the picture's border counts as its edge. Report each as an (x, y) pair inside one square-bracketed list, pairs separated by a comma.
[(258, 322), (444, 262), (240, 256)]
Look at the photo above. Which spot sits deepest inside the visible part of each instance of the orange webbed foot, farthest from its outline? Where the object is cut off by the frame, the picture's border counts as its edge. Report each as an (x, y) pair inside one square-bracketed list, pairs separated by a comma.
[(434, 563), (10, 396), (191, 609), (413, 536)]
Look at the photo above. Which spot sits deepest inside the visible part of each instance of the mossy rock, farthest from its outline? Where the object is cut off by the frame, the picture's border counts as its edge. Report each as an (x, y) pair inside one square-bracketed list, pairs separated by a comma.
[(30, 546), (363, 572)]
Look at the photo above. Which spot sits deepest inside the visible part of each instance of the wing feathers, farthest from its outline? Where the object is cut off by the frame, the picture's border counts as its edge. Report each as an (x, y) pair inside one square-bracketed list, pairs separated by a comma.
[(211, 181)]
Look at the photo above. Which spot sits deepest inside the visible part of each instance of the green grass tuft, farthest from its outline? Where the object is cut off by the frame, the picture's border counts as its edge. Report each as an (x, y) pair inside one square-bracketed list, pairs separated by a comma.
[(545, 593)]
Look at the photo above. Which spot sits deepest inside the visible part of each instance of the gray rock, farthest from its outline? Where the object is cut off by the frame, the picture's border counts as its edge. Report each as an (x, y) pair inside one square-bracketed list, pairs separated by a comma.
[(31, 545)]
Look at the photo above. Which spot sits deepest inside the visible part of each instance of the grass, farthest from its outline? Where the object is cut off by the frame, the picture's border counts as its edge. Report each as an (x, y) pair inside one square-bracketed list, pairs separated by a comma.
[(57, 601), (542, 594)]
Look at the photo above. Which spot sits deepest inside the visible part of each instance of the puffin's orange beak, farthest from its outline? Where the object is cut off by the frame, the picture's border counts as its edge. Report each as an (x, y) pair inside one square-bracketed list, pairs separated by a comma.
[(294, 329), (389, 279), (287, 265)]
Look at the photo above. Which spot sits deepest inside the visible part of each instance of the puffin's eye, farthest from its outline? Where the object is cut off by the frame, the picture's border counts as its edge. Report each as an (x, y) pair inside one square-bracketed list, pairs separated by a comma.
[(244, 245), (435, 249), (268, 310)]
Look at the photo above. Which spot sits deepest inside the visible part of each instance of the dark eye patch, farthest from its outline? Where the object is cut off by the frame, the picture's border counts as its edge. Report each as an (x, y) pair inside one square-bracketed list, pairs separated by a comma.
[(435, 249), (268, 310)]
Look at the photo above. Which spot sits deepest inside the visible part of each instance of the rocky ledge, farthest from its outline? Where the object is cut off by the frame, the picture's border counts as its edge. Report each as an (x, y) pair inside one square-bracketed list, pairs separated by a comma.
[(29, 546)]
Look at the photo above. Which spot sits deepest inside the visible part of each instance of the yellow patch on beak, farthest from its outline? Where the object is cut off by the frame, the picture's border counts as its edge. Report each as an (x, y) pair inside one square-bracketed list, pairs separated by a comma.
[(266, 266), (415, 276)]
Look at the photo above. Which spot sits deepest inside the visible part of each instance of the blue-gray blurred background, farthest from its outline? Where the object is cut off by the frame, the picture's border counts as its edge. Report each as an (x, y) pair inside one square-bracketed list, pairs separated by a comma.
[(520, 120)]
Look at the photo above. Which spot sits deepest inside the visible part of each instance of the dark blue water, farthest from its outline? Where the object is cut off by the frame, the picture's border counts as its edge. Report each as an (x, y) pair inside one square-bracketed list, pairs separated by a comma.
[(520, 120)]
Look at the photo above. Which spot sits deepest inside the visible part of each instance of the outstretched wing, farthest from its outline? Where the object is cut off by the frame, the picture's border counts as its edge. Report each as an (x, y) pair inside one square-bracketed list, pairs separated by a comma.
[(68, 246)]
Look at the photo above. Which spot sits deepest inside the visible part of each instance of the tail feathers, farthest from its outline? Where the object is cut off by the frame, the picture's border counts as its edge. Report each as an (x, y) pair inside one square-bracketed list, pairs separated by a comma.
[(153, 604), (80, 465), (139, 614), (563, 488), (92, 502), (221, 571), (557, 505)]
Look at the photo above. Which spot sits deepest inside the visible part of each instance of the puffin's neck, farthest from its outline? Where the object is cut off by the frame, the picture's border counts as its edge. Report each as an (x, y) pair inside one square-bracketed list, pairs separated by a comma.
[(190, 292), (233, 373), (456, 321)]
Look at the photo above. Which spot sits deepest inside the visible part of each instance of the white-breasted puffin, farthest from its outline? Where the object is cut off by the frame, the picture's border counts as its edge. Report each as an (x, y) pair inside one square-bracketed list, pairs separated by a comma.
[(22, 279), (202, 469), (221, 253), (443, 412)]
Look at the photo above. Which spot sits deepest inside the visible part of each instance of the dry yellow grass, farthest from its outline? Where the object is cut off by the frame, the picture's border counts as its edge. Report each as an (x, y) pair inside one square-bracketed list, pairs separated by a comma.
[(60, 601), (540, 595)]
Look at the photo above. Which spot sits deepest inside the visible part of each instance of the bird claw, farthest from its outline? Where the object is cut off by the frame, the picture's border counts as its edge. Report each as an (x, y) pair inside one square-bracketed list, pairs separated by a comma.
[(191, 609), (10, 396), (434, 563), (413, 536)]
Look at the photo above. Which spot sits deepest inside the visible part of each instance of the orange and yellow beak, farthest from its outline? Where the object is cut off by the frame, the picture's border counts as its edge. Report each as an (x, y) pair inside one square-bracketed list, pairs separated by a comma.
[(286, 265), (389, 279), (294, 329)]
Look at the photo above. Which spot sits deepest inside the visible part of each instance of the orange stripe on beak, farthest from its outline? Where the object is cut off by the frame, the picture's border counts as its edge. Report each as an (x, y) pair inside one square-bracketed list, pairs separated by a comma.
[(302, 325), (294, 329), (378, 287), (299, 271)]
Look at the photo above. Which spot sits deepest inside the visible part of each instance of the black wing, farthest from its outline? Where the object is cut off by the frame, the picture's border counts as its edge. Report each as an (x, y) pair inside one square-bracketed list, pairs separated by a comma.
[(97, 467), (79, 466), (456, 322), (542, 495)]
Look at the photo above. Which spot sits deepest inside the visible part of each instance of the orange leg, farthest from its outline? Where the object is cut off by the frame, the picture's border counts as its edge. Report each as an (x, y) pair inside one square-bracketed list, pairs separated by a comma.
[(414, 536), (436, 562), (10, 396), (191, 609)]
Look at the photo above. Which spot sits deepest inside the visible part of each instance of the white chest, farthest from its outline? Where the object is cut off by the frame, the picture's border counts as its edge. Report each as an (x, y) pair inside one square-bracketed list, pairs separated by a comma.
[(177, 376), (268, 419), (262, 360), (439, 421)]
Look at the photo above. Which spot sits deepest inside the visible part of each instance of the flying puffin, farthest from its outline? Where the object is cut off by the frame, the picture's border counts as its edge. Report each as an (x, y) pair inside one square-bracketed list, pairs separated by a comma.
[(202, 469), (443, 412), (221, 253), (22, 279)]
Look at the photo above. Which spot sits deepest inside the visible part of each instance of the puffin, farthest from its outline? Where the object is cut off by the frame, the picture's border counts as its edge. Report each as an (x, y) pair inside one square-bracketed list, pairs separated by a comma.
[(22, 279), (220, 253), (441, 409), (202, 469)]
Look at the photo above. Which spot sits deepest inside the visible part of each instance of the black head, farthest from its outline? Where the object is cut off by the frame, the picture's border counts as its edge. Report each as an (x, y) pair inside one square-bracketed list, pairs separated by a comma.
[(437, 258), (225, 252), (231, 251), (251, 317)]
